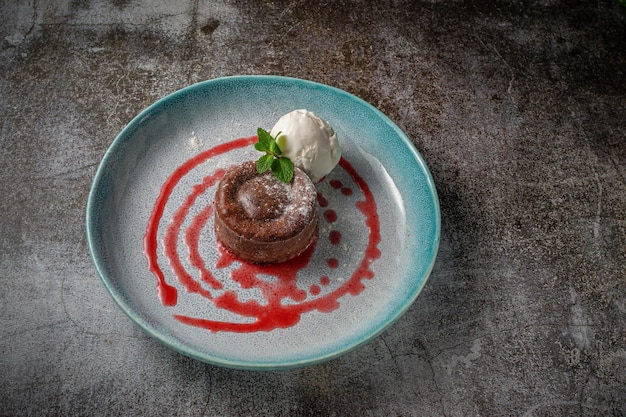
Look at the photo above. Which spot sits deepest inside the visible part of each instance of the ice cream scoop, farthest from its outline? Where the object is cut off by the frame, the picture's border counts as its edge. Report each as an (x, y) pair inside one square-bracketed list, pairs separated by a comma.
[(309, 141)]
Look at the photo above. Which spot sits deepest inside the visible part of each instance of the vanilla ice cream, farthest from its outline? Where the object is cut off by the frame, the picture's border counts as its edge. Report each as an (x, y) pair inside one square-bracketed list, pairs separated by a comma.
[(308, 141)]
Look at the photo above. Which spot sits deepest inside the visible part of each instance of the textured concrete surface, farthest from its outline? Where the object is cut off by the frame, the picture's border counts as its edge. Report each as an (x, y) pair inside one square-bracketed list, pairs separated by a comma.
[(519, 108)]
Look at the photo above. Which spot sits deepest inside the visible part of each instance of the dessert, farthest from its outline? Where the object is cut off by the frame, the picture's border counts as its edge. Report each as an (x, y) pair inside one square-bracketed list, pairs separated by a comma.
[(265, 212), (309, 141), (261, 219)]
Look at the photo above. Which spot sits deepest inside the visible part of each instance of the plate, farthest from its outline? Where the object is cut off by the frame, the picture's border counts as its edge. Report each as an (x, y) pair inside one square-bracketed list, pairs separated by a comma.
[(150, 229)]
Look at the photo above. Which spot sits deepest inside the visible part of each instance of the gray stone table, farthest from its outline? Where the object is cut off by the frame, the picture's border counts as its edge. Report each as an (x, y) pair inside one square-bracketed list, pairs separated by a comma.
[(518, 108)]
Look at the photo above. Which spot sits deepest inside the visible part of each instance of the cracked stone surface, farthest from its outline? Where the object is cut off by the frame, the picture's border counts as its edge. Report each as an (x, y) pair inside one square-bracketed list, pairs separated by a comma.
[(519, 109)]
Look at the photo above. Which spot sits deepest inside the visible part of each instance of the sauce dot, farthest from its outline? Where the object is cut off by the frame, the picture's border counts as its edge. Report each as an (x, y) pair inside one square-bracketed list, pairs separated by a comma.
[(332, 263), (335, 237), (346, 191), (324, 280), (335, 183), (314, 289), (321, 200), (330, 216)]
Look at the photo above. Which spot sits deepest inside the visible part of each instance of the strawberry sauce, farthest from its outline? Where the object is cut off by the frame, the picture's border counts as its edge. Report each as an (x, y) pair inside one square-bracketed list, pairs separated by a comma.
[(282, 301)]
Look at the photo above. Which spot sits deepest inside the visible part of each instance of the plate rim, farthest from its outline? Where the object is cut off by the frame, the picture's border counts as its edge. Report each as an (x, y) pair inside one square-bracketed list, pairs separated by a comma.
[(123, 137)]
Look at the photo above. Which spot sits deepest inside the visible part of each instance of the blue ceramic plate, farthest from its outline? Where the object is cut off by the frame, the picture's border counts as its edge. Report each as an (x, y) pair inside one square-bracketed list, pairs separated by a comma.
[(377, 240)]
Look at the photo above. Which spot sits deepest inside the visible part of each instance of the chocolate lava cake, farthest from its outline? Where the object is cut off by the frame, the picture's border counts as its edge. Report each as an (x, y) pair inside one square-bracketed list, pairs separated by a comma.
[(260, 219)]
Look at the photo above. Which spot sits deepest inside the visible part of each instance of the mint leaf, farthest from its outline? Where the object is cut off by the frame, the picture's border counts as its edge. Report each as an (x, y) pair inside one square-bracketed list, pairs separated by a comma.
[(283, 169), (264, 163), (274, 149), (281, 166), (265, 140)]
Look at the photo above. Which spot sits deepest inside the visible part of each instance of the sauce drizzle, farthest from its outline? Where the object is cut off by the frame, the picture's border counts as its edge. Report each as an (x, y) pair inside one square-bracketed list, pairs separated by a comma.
[(282, 302)]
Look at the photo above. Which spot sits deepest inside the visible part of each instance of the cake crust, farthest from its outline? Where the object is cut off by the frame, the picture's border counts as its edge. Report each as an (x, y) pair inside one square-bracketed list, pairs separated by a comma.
[(260, 219)]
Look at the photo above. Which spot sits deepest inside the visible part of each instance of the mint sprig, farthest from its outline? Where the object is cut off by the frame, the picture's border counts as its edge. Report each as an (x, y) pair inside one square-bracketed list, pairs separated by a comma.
[(281, 166)]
